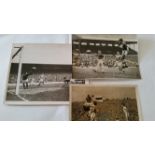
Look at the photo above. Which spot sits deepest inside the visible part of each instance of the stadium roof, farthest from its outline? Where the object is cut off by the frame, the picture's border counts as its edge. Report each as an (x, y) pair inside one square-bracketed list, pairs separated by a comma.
[(89, 41), (106, 46)]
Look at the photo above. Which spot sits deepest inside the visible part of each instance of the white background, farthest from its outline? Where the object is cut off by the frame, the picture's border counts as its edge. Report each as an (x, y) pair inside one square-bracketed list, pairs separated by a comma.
[(81, 16), (146, 86)]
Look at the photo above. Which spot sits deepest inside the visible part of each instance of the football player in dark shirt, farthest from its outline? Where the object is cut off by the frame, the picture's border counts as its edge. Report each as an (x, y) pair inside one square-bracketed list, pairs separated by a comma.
[(25, 80), (124, 48)]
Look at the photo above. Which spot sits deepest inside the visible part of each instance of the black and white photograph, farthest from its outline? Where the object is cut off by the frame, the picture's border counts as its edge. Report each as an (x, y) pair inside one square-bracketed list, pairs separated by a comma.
[(39, 72), (104, 103), (108, 56)]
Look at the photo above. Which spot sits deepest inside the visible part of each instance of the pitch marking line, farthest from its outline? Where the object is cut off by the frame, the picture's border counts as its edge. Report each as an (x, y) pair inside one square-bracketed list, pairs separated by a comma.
[(22, 98)]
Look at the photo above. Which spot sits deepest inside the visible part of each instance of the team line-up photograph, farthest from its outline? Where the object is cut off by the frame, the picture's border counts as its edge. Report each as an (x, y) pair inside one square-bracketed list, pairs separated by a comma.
[(105, 56), (55, 74)]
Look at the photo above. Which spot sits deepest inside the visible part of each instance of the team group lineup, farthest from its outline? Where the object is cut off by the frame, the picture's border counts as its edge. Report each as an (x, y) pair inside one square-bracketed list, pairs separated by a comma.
[(92, 58)]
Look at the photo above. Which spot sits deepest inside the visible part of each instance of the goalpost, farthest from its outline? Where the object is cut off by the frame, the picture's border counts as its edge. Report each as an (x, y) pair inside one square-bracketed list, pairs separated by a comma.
[(19, 51)]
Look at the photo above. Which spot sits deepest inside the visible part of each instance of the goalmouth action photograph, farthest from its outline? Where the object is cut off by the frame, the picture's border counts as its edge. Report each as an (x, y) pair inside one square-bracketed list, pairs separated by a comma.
[(104, 103), (37, 73), (110, 56)]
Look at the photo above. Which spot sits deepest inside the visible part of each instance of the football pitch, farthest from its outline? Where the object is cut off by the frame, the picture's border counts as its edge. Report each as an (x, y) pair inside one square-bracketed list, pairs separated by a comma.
[(47, 92), (108, 72), (109, 110)]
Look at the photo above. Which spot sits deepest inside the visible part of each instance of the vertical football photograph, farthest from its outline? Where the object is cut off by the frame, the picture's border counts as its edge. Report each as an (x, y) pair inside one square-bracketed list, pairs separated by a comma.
[(39, 72), (110, 56), (104, 103)]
